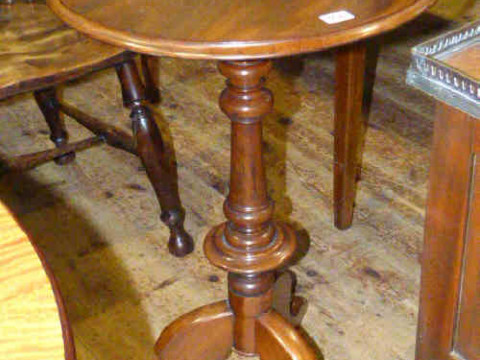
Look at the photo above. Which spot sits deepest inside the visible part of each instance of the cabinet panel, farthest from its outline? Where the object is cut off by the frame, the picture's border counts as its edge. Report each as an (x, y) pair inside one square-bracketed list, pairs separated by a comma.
[(467, 339), (450, 185)]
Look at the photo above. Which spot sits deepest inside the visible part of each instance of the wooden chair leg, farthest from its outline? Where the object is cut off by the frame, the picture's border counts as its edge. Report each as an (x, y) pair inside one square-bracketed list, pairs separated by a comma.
[(150, 72), (349, 128), (48, 103), (150, 148)]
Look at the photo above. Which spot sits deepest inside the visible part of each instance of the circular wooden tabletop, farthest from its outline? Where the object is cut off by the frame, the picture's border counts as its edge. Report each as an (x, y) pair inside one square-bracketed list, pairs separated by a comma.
[(33, 322), (234, 29)]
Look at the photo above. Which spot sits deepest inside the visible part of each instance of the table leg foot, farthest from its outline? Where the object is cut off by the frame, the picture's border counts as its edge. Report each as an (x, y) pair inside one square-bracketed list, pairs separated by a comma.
[(208, 333), (180, 242), (205, 333), (277, 339)]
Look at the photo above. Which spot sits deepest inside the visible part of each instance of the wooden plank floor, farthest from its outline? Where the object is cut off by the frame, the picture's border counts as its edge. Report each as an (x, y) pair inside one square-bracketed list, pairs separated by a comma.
[(97, 219)]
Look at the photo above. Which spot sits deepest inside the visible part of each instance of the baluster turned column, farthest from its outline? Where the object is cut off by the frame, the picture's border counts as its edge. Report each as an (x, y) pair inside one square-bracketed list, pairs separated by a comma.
[(249, 245)]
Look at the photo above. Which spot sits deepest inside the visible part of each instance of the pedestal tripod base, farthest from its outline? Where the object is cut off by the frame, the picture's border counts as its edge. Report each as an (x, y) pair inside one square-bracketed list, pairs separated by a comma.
[(207, 333)]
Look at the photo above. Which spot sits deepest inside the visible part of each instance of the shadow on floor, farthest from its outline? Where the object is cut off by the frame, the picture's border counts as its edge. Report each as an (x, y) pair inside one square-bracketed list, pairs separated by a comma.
[(96, 287)]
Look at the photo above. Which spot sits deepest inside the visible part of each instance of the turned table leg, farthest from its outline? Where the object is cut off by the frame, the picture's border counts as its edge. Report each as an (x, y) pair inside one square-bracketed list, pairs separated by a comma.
[(250, 245), (49, 106), (150, 148)]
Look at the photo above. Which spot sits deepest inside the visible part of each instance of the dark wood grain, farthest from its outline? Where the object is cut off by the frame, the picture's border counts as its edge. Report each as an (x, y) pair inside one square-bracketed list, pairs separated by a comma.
[(113, 136), (348, 133), (49, 105), (446, 220), (279, 340), (205, 333), (250, 245), (150, 68), (150, 148), (250, 242), (30, 161), (235, 29), (38, 50), (467, 336)]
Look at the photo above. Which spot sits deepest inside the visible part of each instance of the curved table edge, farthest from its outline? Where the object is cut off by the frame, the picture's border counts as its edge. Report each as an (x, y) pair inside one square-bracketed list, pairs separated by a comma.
[(67, 332), (244, 50)]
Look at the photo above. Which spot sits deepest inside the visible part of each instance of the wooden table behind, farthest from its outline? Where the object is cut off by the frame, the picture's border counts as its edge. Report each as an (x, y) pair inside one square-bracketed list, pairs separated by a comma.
[(30, 320)]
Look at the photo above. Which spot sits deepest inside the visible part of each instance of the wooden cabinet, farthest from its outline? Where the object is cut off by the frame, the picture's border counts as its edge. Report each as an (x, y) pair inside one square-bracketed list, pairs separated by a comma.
[(449, 319), (449, 315)]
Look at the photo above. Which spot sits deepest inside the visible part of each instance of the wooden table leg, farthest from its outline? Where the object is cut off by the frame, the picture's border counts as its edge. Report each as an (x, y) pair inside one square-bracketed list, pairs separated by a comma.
[(150, 148), (250, 245), (355, 74)]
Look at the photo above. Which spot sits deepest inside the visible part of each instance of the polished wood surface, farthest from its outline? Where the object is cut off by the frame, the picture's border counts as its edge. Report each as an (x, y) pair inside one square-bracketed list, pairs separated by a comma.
[(250, 245), (160, 169), (254, 244), (447, 217), (467, 337), (33, 323), (348, 133), (236, 29), (205, 333), (362, 285), (279, 340), (38, 50), (466, 60), (449, 314)]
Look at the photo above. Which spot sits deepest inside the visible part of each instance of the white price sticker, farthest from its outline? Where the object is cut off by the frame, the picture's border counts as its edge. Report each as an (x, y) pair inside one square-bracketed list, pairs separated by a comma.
[(336, 17)]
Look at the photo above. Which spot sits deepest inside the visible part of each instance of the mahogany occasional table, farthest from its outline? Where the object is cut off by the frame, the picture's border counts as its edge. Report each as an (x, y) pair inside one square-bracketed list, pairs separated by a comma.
[(243, 34)]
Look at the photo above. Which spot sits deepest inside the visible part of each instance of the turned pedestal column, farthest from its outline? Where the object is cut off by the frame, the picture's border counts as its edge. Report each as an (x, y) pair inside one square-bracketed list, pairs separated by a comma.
[(250, 245)]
